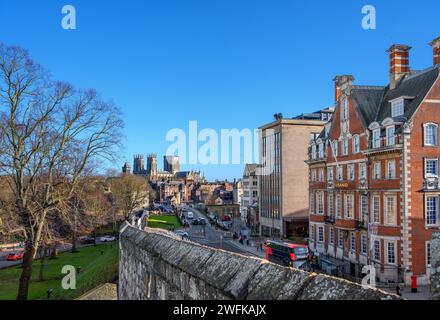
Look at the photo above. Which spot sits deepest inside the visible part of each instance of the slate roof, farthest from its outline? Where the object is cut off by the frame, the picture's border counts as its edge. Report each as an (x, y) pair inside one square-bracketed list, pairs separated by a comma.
[(417, 86), (373, 103)]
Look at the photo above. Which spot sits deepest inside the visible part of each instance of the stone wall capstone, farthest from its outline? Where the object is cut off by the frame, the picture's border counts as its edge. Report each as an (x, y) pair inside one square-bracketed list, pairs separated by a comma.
[(156, 265)]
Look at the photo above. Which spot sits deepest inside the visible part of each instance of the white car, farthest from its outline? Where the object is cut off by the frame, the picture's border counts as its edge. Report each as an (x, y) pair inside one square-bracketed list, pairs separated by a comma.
[(190, 215), (107, 239), (181, 233)]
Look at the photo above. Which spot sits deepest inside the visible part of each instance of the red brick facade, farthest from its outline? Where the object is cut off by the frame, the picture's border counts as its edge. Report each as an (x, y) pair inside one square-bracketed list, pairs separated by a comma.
[(381, 211)]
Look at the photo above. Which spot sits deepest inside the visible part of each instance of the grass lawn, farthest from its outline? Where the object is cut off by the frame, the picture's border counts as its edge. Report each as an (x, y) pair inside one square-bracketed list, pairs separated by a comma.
[(95, 269), (164, 222)]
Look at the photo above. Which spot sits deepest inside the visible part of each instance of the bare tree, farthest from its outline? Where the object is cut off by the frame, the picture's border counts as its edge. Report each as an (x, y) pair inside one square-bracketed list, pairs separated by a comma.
[(49, 133), (130, 193), (99, 210)]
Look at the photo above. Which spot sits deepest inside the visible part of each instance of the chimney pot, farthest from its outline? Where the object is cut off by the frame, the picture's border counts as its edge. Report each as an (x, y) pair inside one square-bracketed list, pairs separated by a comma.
[(399, 63), (435, 44), (341, 82)]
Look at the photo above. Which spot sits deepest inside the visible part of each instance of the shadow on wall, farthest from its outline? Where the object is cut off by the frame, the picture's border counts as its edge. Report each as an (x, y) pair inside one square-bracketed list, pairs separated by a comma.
[(155, 265)]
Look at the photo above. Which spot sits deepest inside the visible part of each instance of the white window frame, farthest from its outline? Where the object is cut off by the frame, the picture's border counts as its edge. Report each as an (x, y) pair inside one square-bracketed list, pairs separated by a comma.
[(364, 244), (330, 204), (350, 172), (312, 203), (377, 168), (320, 203), (331, 238), (352, 242), (340, 239), (356, 143), (425, 134), (345, 109), (349, 214), (391, 140), (387, 252), (312, 232), (428, 254), (376, 138), (345, 147), (321, 175), (388, 222), (375, 214), (321, 150), (338, 205), (335, 148), (314, 151), (339, 173), (362, 171), (397, 108), (437, 215), (330, 173), (364, 207), (321, 234), (430, 175), (377, 250), (393, 171)]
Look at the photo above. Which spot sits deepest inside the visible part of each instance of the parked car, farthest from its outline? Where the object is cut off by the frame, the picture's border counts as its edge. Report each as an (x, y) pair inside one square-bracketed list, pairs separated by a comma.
[(226, 218), (182, 234), (86, 240), (190, 215), (196, 222), (202, 221), (107, 239), (14, 256)]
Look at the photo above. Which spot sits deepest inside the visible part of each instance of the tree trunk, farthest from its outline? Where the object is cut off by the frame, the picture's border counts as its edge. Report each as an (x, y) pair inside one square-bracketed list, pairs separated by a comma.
[(26, 274), (42, 261), (54, 253), (74, 249)]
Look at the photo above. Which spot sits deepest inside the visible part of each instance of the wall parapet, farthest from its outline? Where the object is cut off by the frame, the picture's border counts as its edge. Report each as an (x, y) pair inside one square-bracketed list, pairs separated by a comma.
[(156, 265)]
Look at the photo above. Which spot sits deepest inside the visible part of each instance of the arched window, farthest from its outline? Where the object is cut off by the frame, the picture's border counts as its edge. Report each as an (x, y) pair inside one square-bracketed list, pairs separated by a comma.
[(431, 134)]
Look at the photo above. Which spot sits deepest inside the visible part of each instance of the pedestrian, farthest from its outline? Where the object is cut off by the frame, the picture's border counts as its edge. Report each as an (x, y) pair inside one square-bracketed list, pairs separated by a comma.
[(247, 242), (261, 246), (398, 291)]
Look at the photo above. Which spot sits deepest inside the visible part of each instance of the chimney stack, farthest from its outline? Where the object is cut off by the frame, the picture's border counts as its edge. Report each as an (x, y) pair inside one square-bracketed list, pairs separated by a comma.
[(399, 63), (341, 83), (435, 44)]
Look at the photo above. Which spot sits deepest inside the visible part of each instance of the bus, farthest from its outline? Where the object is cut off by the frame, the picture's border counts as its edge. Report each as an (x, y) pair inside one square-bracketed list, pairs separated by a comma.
[(286, 254)]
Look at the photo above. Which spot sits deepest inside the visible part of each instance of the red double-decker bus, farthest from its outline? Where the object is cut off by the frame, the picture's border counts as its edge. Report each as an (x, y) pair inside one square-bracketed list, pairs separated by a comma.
[(287, 254)]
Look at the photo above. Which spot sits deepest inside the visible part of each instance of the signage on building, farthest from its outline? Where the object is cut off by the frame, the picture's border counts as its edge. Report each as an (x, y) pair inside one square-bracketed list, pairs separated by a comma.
[(341, 185)]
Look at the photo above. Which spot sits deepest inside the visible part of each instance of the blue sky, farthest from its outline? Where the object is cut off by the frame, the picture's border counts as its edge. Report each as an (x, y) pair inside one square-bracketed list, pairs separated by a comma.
[(224, 63)]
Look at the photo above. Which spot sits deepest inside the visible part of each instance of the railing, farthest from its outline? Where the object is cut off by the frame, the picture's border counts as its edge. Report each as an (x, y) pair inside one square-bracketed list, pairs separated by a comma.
[(329, 219), (384, 142)]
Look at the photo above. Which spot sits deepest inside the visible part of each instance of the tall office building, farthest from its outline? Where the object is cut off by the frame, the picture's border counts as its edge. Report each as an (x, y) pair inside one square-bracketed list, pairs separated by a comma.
[(171, 164)]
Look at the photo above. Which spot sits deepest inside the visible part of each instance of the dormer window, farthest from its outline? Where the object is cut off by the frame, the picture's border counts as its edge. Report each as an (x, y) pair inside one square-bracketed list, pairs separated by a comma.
[(397, 107)]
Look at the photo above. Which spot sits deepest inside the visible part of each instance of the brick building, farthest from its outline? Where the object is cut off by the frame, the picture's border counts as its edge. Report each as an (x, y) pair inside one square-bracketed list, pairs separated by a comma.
[(374, 174)]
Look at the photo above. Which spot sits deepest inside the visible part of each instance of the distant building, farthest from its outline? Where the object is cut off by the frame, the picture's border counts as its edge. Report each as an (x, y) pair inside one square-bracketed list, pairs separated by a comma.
[(238, 192), (284, 175), (138, 164), (249, 202), (171, 164), (126, 170), (152, 165)]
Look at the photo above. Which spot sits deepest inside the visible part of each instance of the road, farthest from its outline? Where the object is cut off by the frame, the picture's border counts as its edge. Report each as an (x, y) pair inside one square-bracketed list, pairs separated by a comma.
[(210, 236)]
